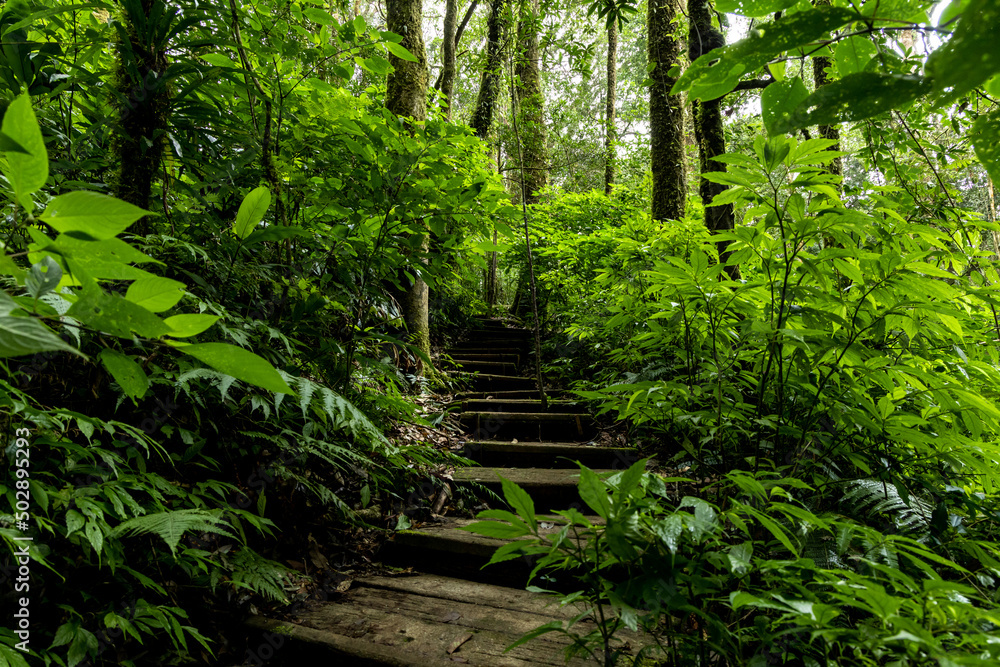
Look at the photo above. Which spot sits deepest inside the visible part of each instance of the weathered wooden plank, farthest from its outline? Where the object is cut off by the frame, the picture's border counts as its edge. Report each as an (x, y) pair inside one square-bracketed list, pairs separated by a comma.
[(412, 623)]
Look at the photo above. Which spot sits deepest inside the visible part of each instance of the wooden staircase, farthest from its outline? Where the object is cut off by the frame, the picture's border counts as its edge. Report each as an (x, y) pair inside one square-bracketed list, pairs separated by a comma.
[(452, 611)]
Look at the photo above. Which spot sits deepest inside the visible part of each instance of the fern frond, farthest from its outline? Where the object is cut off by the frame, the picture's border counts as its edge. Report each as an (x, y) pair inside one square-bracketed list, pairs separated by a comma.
[(170, 526), (221, 380), (263, 576), (868, 498)]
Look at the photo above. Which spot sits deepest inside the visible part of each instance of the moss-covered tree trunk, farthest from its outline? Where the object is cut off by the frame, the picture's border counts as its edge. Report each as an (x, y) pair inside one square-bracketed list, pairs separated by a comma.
[(666, 114), (406, 96), (142, 102), (610, 131), (406, 93), (709, 130), (448, 64), (489, 87), (530, 103)]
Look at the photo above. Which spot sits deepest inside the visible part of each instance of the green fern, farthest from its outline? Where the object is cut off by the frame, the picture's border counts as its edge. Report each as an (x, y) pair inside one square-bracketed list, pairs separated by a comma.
[(172, 525), (870, 498), (252, 571)]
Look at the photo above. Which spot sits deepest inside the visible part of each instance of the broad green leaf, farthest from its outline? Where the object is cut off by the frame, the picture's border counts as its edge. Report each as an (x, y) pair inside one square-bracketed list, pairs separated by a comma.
[(739, 558), (219, 60), (184, 326), (853, 55), (109, 259), (777, 70), (8, 145), (986, 141), (241, 364), (274, 233), (669, 530), (155, 294), (318, 16), (26, 335), (115, 315), (593, 492), (855, 97), (779, 100), (360, 26), (252, 211), (27, 171), (126, 372), (43, 277), (98, 216), (496, 529), (629, 480), (9, 268), (84, 641), (753, 7), (519, 499), (7, 304), (717, 72), (400, 52), (972, 53)]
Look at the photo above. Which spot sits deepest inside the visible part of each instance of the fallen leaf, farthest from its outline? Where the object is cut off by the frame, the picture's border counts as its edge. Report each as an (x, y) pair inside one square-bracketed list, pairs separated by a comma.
[(458, 642)]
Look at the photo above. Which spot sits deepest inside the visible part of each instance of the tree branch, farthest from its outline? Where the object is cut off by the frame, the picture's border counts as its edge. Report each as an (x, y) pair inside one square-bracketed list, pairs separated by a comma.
[(753, 84)]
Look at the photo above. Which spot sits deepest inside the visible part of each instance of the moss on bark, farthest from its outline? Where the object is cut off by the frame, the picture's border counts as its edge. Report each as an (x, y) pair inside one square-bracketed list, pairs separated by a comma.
[(666, 115)]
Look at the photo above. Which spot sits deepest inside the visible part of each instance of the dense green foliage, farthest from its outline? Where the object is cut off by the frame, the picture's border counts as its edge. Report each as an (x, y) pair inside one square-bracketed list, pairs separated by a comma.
[(197, 387)]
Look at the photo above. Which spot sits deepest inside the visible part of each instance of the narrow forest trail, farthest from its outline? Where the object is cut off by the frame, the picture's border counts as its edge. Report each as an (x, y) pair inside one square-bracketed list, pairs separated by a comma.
[(449, 610)]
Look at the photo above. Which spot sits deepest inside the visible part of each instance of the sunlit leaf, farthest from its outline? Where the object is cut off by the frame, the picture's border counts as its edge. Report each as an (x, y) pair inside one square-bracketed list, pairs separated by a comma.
[(98, 216), (241, 364), (27, 171)]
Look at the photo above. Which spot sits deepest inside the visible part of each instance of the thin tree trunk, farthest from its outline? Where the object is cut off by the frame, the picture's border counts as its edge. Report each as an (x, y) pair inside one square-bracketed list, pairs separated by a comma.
[(447, 85), (406, 95), (142, 101), (666, 115), (610, 131), (482, 117), (709, 131), (820, 79), (530, 104)]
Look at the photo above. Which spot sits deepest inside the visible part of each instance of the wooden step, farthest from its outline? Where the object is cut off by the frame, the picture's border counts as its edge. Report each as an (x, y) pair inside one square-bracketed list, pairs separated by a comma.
[(549, 489), (509, 358), (447, 549), (500, 332), (521, 405), (491, 382), (495, 367), (519, 352), (503, 395), (424, 621), (548, 454), (554, 426)]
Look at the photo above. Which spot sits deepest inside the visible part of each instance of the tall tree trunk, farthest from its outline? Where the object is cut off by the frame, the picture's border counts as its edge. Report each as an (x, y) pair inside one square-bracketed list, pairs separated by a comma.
[(453, 30), (448, 65), (820, 78), (709, 131), (666, 115), (531, 103), (610, 131), (482, 116), (142, 101), (406, 95)]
